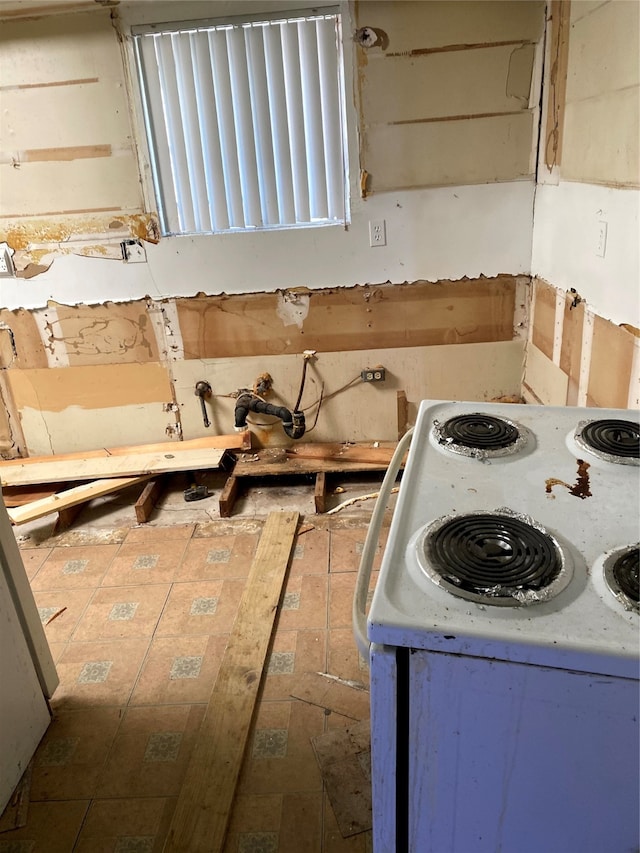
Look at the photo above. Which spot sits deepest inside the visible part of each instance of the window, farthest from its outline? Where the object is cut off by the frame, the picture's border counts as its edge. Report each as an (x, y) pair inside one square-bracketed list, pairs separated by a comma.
[(245, 122)]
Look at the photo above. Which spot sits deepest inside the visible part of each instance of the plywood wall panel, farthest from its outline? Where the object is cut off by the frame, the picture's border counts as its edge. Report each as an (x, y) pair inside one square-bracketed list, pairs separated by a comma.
[(603, 51), (481, 150), (457, 83), (88, 184), (437, 23), (348, 319), (59, 115), (105, 334), (544, 317), (96, 387), (29, 349), (548, 383), (65, 49), (602, 139), (612, 353)]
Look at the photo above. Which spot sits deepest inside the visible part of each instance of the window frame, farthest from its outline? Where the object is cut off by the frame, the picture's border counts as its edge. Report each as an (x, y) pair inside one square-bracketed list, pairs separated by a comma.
[(143, 127)]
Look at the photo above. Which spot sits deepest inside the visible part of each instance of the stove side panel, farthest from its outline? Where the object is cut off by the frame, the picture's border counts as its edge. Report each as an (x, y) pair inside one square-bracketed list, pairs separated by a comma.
[(512, 757)]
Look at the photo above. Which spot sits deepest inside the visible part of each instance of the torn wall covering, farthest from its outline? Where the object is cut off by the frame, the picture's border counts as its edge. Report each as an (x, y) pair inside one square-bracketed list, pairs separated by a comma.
[(124, 373)]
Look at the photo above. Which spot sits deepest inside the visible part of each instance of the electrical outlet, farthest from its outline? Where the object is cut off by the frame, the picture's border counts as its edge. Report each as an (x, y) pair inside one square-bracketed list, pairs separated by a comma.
[(133, 252), (6, 262), (377, 232), (601, 245), (373, 374)]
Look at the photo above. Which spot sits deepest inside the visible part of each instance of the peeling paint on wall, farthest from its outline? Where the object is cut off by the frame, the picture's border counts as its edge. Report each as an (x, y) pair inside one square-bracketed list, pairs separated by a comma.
[(292, 308)]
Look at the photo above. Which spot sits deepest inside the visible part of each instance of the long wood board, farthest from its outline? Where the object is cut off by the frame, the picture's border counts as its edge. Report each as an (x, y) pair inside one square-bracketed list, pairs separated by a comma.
[(202, 813), (70, 498), (238, 441), (88, 468)]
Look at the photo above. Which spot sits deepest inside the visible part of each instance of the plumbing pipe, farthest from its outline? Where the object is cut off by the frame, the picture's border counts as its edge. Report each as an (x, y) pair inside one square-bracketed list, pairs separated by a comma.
[(293, 423)]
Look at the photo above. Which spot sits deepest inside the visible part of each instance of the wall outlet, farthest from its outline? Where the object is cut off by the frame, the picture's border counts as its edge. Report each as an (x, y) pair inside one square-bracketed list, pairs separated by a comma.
[(377, 232), (601, 244), (133, 252), (6, 262), (373, 374)]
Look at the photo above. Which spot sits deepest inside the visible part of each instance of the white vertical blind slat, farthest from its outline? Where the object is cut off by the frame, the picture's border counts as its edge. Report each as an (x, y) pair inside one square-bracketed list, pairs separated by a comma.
[(261, 124), (312, 116), (331, 115), (210, 133), (172, 122), (279, 127), (244, 126), (159, 145), (183, 52), (224, 107), (295, 120)]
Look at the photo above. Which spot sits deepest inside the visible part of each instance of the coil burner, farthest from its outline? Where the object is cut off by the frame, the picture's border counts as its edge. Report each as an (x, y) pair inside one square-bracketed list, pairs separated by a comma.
[(494, 558), (480, 436), (621, 572), (612, 440)]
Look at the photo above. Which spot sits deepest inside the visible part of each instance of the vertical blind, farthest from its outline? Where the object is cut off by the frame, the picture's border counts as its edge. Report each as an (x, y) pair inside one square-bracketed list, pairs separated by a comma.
[(245, 122)]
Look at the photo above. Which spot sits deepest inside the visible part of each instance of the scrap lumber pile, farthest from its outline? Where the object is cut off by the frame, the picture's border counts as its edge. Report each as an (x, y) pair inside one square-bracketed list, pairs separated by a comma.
[(35, 486)]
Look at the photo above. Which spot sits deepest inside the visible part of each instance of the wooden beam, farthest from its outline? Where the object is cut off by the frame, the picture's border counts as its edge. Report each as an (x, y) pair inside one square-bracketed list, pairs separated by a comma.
[(228, 496), (238, 441), (90, 468), (67, 516), (320, 493), (201, 818), (147, 500), (403, 413), (69, 498)]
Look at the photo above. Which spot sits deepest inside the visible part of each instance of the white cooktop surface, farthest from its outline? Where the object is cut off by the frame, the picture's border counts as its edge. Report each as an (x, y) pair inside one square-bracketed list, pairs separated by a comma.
[(584, 627)]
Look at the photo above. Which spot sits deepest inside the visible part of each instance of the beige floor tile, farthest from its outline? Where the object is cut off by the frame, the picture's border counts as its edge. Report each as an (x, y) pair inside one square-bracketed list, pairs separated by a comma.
[(256, 816), (51, 828), (310, 553), (279, 757), (33, 558), (344, 659), (73, 568), (119, 826), (304, 604), (99, 673), (72, 603), (122, 612), (301, 825), (293, 654), (72, 753), (150, 754), (180, 670), (201, 607), (218, 557), (341, 590), (151, 562), (149, 533), (347, 545)]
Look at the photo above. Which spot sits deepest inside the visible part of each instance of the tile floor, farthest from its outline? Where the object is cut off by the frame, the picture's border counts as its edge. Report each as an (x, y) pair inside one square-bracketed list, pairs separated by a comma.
[(138, 646)]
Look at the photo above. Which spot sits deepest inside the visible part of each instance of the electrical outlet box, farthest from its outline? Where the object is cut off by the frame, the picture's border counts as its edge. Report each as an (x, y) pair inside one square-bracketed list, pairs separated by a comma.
[(133, 252), (6, 262), (377, 232), (373, 374)]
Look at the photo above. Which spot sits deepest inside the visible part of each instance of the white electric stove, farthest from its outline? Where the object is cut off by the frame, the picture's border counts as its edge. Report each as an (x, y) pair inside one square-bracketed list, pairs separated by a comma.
[(504, 634)]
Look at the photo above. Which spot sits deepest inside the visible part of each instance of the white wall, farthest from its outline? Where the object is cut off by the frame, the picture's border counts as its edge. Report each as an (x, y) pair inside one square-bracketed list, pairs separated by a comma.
[(443, 233)]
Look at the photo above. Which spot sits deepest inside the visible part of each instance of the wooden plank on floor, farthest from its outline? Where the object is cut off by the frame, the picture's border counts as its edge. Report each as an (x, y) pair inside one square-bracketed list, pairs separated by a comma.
[(237, 441), (147, 500), (88, 468), (320, 494), (201, 818), (67, 516), (228, 496), (69, 498)]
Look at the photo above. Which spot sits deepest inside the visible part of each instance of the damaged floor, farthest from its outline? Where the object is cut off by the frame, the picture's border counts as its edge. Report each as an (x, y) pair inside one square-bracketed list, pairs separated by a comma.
[(138, 617)]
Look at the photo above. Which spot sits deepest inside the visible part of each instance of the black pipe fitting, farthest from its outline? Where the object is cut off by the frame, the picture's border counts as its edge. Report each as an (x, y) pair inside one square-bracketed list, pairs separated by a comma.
[(293, 423)]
